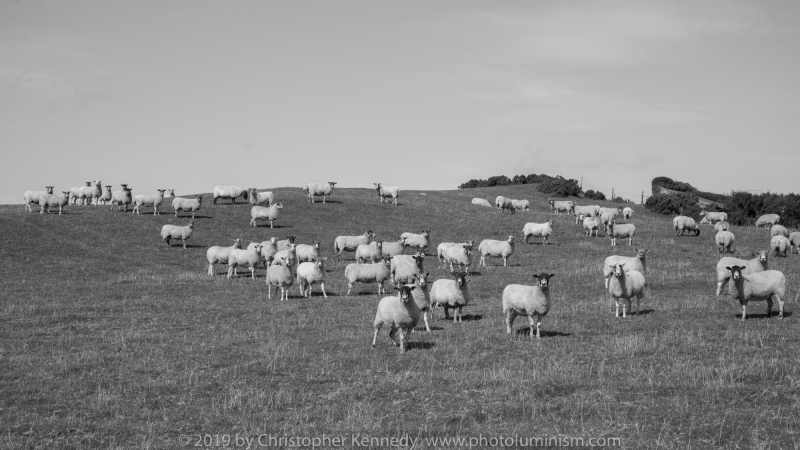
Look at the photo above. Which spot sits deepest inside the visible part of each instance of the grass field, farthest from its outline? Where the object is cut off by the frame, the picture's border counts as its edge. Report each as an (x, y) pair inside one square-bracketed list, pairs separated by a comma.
[(108, 340)]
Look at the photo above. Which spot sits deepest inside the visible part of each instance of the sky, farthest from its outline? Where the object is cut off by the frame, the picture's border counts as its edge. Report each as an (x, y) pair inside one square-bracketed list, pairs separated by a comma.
[(188, 95)]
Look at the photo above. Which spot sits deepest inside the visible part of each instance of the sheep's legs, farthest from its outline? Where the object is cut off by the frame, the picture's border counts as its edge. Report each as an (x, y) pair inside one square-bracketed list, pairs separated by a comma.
[(322, 286), (184, 243), (211, 269), (721, 284), (425, 318), (392, 336), (780, 306), (617, 301), (744, 312), (269, 290), (252, 272), (375, 336), (769, 306), (511, 315)]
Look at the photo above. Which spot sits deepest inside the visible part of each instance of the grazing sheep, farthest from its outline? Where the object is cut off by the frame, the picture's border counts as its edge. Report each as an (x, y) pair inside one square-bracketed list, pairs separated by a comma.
[(481, 202), (261, 198), (231, 192), (250, 258), (561, 206), (623, 230), (537, 229), (522, 205), (319, 190), (767, 220), (368, 273), (495, 249), (268, 250), (780, 245), (768, 285), (721, 226), (390, 249), (725, 240), (369, 252), (420, 289), (794, 240), (350, 243), (284, 244), (404, 267), (311, 273), (778, 230), (399, 313), (451, 294), (106, 197), (441, 248), (626, 285), (627, 213), (122, 198), (265, 213), (504, 204), (387, 192), (457, 254), (149, 200), (713, 216), (219, 255), (91, 191), (281, 276), (528, 301), (582, 212), (684, 223), (47, 201), (308, 252), (592, 224), (418, 241), (187, 204), (32, 197), (177, 232), (637, 262), (758, 264)]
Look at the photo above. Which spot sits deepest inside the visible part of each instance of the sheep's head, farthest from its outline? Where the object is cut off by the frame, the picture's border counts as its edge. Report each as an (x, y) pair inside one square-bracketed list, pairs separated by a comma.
[(291, 239), (124, 186), (237, 243), (736, 272), (190, 225), (387, 262), (418, 257), (161, 191), (256, 247), (369, 234), (315, 244), (618, 271), (640, 253), (511, 239), (273, 239), (379, 245), (292, 247), (405, 293), (198, 197), (762, 255), (88, 183), (49, 189), (279, 205), (426, 233), (66, 193), (543, 279), (550, 222), (108, 187), (320, 263), (422, 280), (332, 183), (461, 278), (171, 192), (378, 187)]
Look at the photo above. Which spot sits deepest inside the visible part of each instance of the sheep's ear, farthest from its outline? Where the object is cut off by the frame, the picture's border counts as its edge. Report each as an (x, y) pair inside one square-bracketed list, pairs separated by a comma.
[(728, 267), (536, 276), (552, 275)]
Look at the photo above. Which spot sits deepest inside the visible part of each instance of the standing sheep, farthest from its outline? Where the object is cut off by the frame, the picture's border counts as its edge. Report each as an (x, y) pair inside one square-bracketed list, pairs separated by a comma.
[(219, 255), (626, 285), (453, 294), (311, 273), (350, 243), (368, 273), (684, 223), (780, 245), (537, 229), (768, 285), (608, 215), (46, 201), (623, 230), (585, 211), (284, 244), (496, 249), (106, 197), (369, 252), (231, 192), (404, 267), (387, 192), (420, 289), (504, 204), (399, 313), (417, 241), (713, 216), (767, 220), (177, 232), (444, 245), (306, 252), (527, 301), (250, 258), (149, 200), (778, 230), (591, 224), (758, 264), (265, 213), (187, 204), (91, 191), (282, 254), (725, 241), (794, 240), (32, 197), (558, 207), (122, 198), (721, 226), (457, 254), (261, 198), (481, 202), (522, 205), (319, 190), (627, 213), (637, 262), (280, 275), (390, 249), (75, 193), (268, 250)]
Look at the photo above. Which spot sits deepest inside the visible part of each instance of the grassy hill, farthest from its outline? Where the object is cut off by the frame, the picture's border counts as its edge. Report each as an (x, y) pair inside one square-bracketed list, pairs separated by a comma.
[(108, 340)]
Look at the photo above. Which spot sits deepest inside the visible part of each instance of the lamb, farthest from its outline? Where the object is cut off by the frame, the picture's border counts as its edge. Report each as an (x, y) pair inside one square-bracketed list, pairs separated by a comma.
[(441, 248), (32, 197), (637, 262), (627, 213), (187, 204), (778, 230), (767, 220), (721, 226), (585, 211), (522, 300), (389, 249), (174, 231), (106, 197), (250, 258), (91, 191), (420, 289), (306, 252), (725, 240), (713, 217), (350, 243), (623, 230), (537, 229), (684, 223), (261, 198), (399, 313), (768, 285), (481, 202), (522, 205), (368, 273), (418, 241), (311, 273), (404, 267), (504, 204), (284, 244), (457, 254), (231, 192), (592, 224), (149, 200), (218, 254), (386, 192), (319, 190), (780, 245), (758, 264), (265, 213), (559, 206), (46, 201), (369, 252), (451, 294), (495, 249), (122, 198), (626, 285), (280, 275), (268, 250), (794, 240), (608, 215)]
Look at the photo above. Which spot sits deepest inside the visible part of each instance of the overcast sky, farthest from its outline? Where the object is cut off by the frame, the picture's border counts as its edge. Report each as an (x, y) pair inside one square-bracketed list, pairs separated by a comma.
[(419, 94)]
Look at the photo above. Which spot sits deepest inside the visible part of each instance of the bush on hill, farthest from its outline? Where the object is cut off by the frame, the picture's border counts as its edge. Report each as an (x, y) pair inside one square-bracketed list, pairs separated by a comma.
[(560, 187), (595, 195), (673, 204)]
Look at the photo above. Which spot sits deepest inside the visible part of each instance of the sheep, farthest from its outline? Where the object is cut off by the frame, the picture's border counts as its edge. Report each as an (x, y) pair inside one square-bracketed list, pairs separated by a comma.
[(187, 204), (389, 249), (418, 241), (311, 273), (32, 197), (284, 244), (780, 245), (122, 198), (369, 252), (399, 313), (281, 276), (261, 198), (537, 229), (559, 206), (623, 230), (705, 221), (350, 243), (523, 300), (481, 202), (457, 254), (725, 240), (266, 213), (250, 258), (504, 204), (231, 192), (585, 211), (218, 254), (758, 264), (637, 262), (368, 273), (404, 267), (609, 214), (308, 252), (713, 217), (319, 190), (46, 201), (170, 193), (522, 205), (794, 240), (778, 230), (280, 254), (174, 231), (75, 193), (626, 285), (444, 245), (721, 226), (592, 224), (495, 249), (149, 200), (768, 285), (268, 250), (451, 294), (767, 220), (106, 197), (420, 289), (91, 191), (387, 192), (627, 213), (684, 223)]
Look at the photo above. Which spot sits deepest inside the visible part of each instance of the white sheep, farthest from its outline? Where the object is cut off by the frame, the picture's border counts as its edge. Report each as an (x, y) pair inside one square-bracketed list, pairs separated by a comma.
[(369, 252), (608, 215), (449, 294), (685, 223), (794, 240), (319, 190), (504, 204), (495, 249), (767, 220), (187, 204), (389, 249), (444, 245), (713, 216), (231, 192), (281, 276), (399, 313), (268, 250), (759, 263), (404, 267), (768, 285), (417, 241), (532, 229), (308, 252), (627, 213), (122, 198), (721, 226), (457, 255), (350, 243), (585, 211), (368, 273), (527, 301), (261, 198), (75, 193), (622, 230), (780, 245), (265, 213), (387, 192), (558, 207), (47, 201), (106, 197), (250, 258), (170, 193), (626, 285), (522, 205), (311, 273), (778, 230), (177, 232), (420, 289), (284, 244), (592, 224), (149, 200), (32, 197), (91, 191), (637, 262), (219, 255), (278, 257), (481, 202), (725, 240)]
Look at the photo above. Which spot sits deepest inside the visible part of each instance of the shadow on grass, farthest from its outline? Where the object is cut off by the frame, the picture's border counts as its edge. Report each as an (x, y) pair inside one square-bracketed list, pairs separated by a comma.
[(419, 345), (539, 243), (765, 315), (526, 332), (327, 201), (266, 225), (195, 217), (464, 317)]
